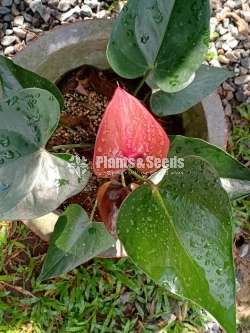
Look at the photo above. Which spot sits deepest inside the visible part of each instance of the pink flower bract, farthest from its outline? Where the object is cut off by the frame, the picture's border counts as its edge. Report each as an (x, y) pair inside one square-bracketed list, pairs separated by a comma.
[(128, 131)]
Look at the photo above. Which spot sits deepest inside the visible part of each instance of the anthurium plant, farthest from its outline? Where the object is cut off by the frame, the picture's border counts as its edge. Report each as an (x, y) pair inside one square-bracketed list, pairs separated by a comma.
[(167, 199)]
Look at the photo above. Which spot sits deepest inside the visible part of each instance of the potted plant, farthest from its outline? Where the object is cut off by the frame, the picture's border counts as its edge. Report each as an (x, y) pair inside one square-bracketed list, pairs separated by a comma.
[(166, 199)]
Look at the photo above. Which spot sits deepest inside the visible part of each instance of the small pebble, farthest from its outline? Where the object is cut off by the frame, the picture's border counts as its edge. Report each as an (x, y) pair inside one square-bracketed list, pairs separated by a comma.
[(223, 59), (244, 250), (245, 62), (228, 86), (242, 79), (18, 21), (8, 32), (64, 5), (228, 109), (6, 3), (68, 14), (73, 3), (243, 71), (246, 15), (4, 10), (86, 10), (8, 40), (240, 95), (53, 3), (9, 50), (28, 17), (92, 3), (19, 32), (14, 10), (8, 18)]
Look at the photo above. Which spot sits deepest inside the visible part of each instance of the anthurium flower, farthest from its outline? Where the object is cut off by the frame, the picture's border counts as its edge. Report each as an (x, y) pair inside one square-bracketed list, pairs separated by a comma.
[(128, 136)]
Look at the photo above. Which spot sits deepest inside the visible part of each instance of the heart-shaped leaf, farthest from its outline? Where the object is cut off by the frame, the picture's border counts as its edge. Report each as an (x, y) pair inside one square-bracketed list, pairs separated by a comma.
[(14, 78), (180, 234), (55, 181), (168, 39), (74, 241), (207, 79), (32, 182), (235, 176)]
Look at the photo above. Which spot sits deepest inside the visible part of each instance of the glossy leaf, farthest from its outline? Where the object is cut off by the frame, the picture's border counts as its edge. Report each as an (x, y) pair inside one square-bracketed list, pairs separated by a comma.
[(207, 79), (74, 241), (123, 52), (236, 176), (168, 39), (14, 78), (55, 181), (32, 182), (180, 234), (127, 132)]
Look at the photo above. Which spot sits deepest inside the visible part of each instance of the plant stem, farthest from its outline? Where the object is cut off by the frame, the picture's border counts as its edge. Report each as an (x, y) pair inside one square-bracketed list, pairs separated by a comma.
[(139, 177), (71, 146), (142, 82), (123, 180), (147, 96), (93, 212)]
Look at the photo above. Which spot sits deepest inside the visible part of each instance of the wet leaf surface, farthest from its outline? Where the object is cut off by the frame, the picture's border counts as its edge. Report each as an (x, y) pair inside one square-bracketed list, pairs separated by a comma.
[(235, 176), (74, 241), (180, 234), (148, 37), (14, 78), (32, 181), (207, 79)]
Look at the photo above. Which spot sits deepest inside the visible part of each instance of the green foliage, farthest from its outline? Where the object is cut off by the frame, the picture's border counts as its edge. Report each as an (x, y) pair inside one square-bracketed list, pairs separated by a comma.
[(239, 140), (32, 181), (167, 39), (14, 78), (225, 164), (207, 79), (101, 296), (235, 177), (75, 240), (180, 234), (165, 42), (238, 146)]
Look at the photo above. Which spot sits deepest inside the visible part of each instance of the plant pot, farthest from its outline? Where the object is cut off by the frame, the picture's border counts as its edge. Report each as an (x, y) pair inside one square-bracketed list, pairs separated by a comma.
[(84, 43)]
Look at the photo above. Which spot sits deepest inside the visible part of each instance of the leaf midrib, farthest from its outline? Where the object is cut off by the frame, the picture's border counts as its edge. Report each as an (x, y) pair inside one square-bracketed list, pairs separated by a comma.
[(157, 192)]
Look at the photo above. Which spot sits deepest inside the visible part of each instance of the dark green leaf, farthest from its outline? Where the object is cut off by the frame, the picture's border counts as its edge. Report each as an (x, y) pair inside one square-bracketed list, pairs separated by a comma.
[(236, 176), (32, 181), (123, 53), (225, 164), (167, 38), (74, 241), (207, 79), (180, 234), (14, 78)]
